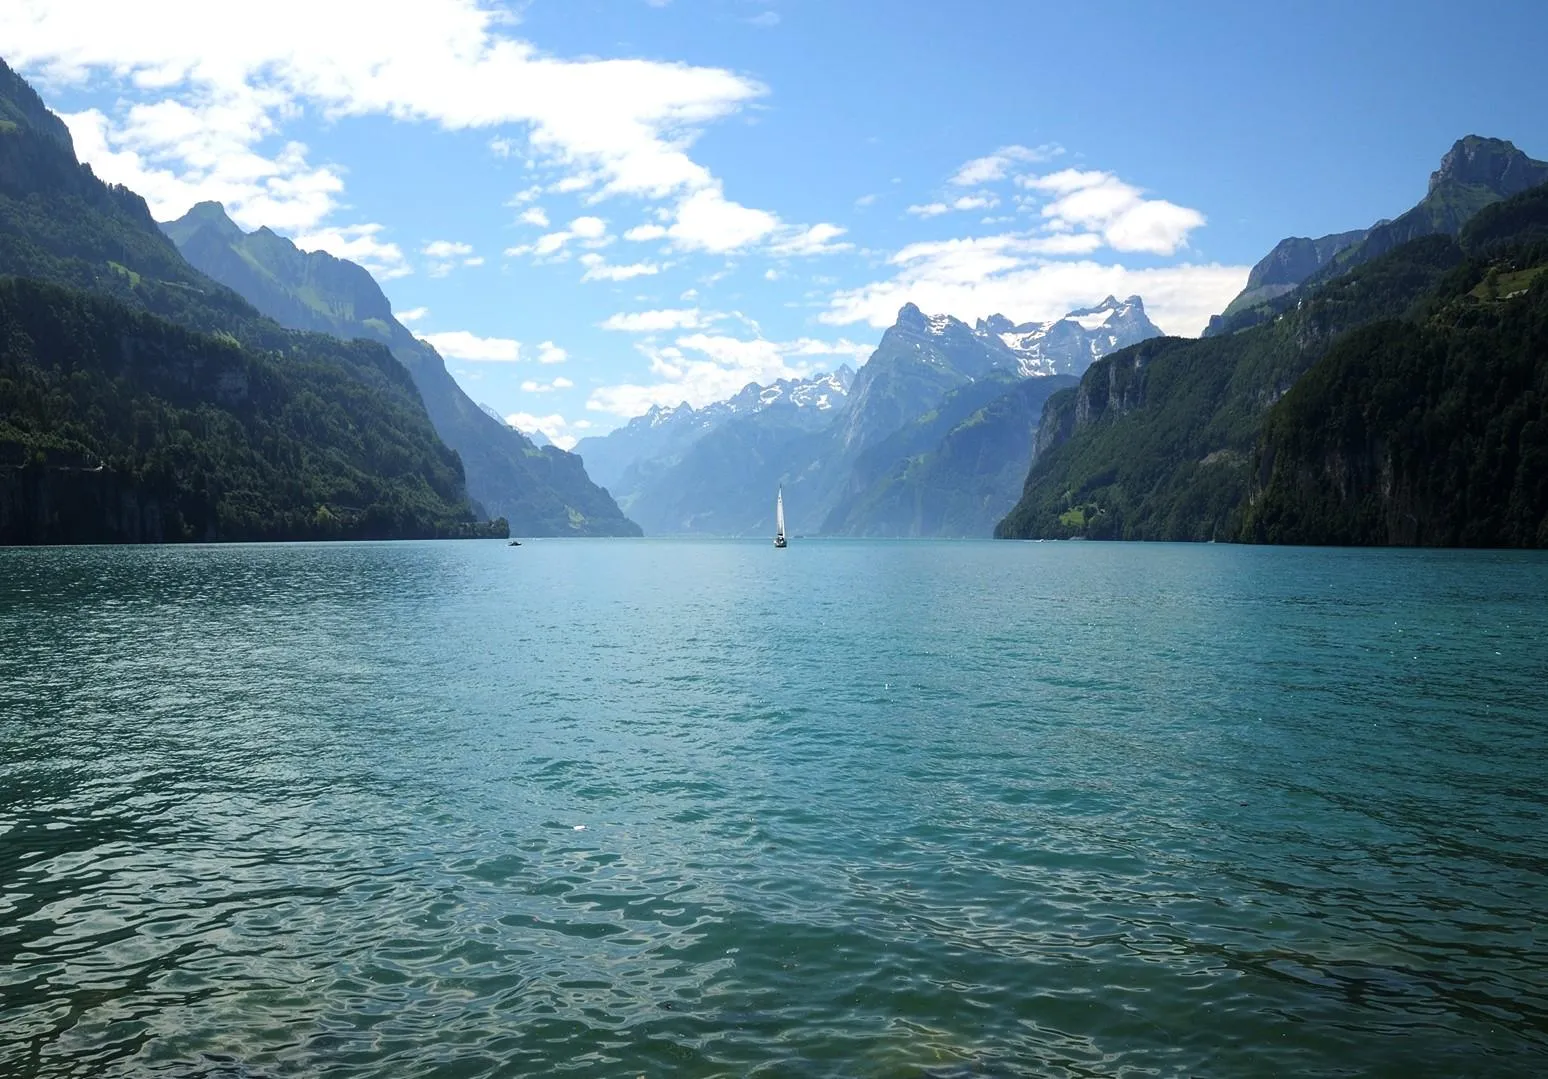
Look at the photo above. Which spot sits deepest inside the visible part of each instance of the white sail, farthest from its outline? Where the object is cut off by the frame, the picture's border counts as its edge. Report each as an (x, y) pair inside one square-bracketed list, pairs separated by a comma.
[(779, 514)]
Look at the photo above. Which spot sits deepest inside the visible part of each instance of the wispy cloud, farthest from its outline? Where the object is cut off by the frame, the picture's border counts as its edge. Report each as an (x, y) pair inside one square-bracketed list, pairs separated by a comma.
[(587, 231), (996, 166), (447, 255), (534, 386), (462, 345), (678, 318), (599, 269), (963, 202)]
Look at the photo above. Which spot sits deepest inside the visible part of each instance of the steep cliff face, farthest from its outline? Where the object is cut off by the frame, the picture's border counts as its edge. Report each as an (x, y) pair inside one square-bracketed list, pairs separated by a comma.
[(81, 503), (963, 475), (1292, 261), (1118, 389)]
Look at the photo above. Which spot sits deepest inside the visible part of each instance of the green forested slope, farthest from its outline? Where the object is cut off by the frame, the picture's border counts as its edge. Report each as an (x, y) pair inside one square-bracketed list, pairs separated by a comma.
[(118, 426), (1431, 430), (322, 429), (1157, 441)]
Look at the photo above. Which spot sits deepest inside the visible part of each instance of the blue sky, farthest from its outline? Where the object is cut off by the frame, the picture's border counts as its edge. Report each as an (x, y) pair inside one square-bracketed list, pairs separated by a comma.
[(590, 206)]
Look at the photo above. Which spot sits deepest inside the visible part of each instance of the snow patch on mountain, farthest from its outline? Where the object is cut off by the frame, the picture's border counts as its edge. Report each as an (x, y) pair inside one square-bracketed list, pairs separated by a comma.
[(1068, 345)]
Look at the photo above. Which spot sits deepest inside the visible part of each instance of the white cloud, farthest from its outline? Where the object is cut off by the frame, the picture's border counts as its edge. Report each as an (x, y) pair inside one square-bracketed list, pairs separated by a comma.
[(700, 368), (975, 202), (176, 154), (1011, 275), (446, 249), (599, 269), (1101, 202), (413, 314), (588, 231), (533, 386), (865, 200), (765, 19), (551, 242), (964, 202), (708, 221), (216, 94), (548, 352), (995, 166), (554, 427), (358, 243), (535, 216), (812, 241), (447, 255), (447, 61), (645, 232), (462, 345), (1045, 272), (680, 318)]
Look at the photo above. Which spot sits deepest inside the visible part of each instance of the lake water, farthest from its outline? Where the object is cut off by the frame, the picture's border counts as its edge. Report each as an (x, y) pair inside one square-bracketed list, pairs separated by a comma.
[(672, 808)]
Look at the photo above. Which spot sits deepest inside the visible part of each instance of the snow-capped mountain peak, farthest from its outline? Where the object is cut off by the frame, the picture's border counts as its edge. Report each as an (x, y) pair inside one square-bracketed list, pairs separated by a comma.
[(821, 392), (1068, 345)]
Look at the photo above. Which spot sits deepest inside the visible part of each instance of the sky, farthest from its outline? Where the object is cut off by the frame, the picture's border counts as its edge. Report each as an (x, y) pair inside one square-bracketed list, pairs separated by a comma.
[(593, 206)]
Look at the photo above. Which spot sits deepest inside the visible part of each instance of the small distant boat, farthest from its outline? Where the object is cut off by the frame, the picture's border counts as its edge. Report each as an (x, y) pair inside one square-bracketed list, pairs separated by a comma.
[(514, 543), (779, 517)]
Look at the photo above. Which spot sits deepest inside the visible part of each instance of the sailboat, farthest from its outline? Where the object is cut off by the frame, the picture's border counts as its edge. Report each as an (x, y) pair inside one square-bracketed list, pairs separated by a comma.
[(779, 517)]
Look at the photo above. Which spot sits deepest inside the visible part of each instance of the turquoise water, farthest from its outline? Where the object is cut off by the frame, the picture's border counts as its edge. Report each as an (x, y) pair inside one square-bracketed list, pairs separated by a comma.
[(619, 808)]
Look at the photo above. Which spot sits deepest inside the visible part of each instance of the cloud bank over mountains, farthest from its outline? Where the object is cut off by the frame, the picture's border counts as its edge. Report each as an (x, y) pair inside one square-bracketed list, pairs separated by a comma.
[(192, 101)]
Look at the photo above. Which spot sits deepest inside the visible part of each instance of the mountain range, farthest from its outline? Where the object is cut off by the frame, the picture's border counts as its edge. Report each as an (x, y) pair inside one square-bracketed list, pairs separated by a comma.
[(931, 436), (1386, 384), (1359, 382), (541, 491)]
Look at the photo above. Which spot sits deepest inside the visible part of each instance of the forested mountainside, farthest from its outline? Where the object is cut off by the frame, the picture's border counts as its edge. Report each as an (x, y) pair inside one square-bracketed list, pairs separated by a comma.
[(541, 491), (1431, 429), (1351, 417), (143, 401)]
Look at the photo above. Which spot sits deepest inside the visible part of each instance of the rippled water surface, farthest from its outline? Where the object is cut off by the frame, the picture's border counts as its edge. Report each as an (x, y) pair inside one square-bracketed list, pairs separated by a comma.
[(613, 808)]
